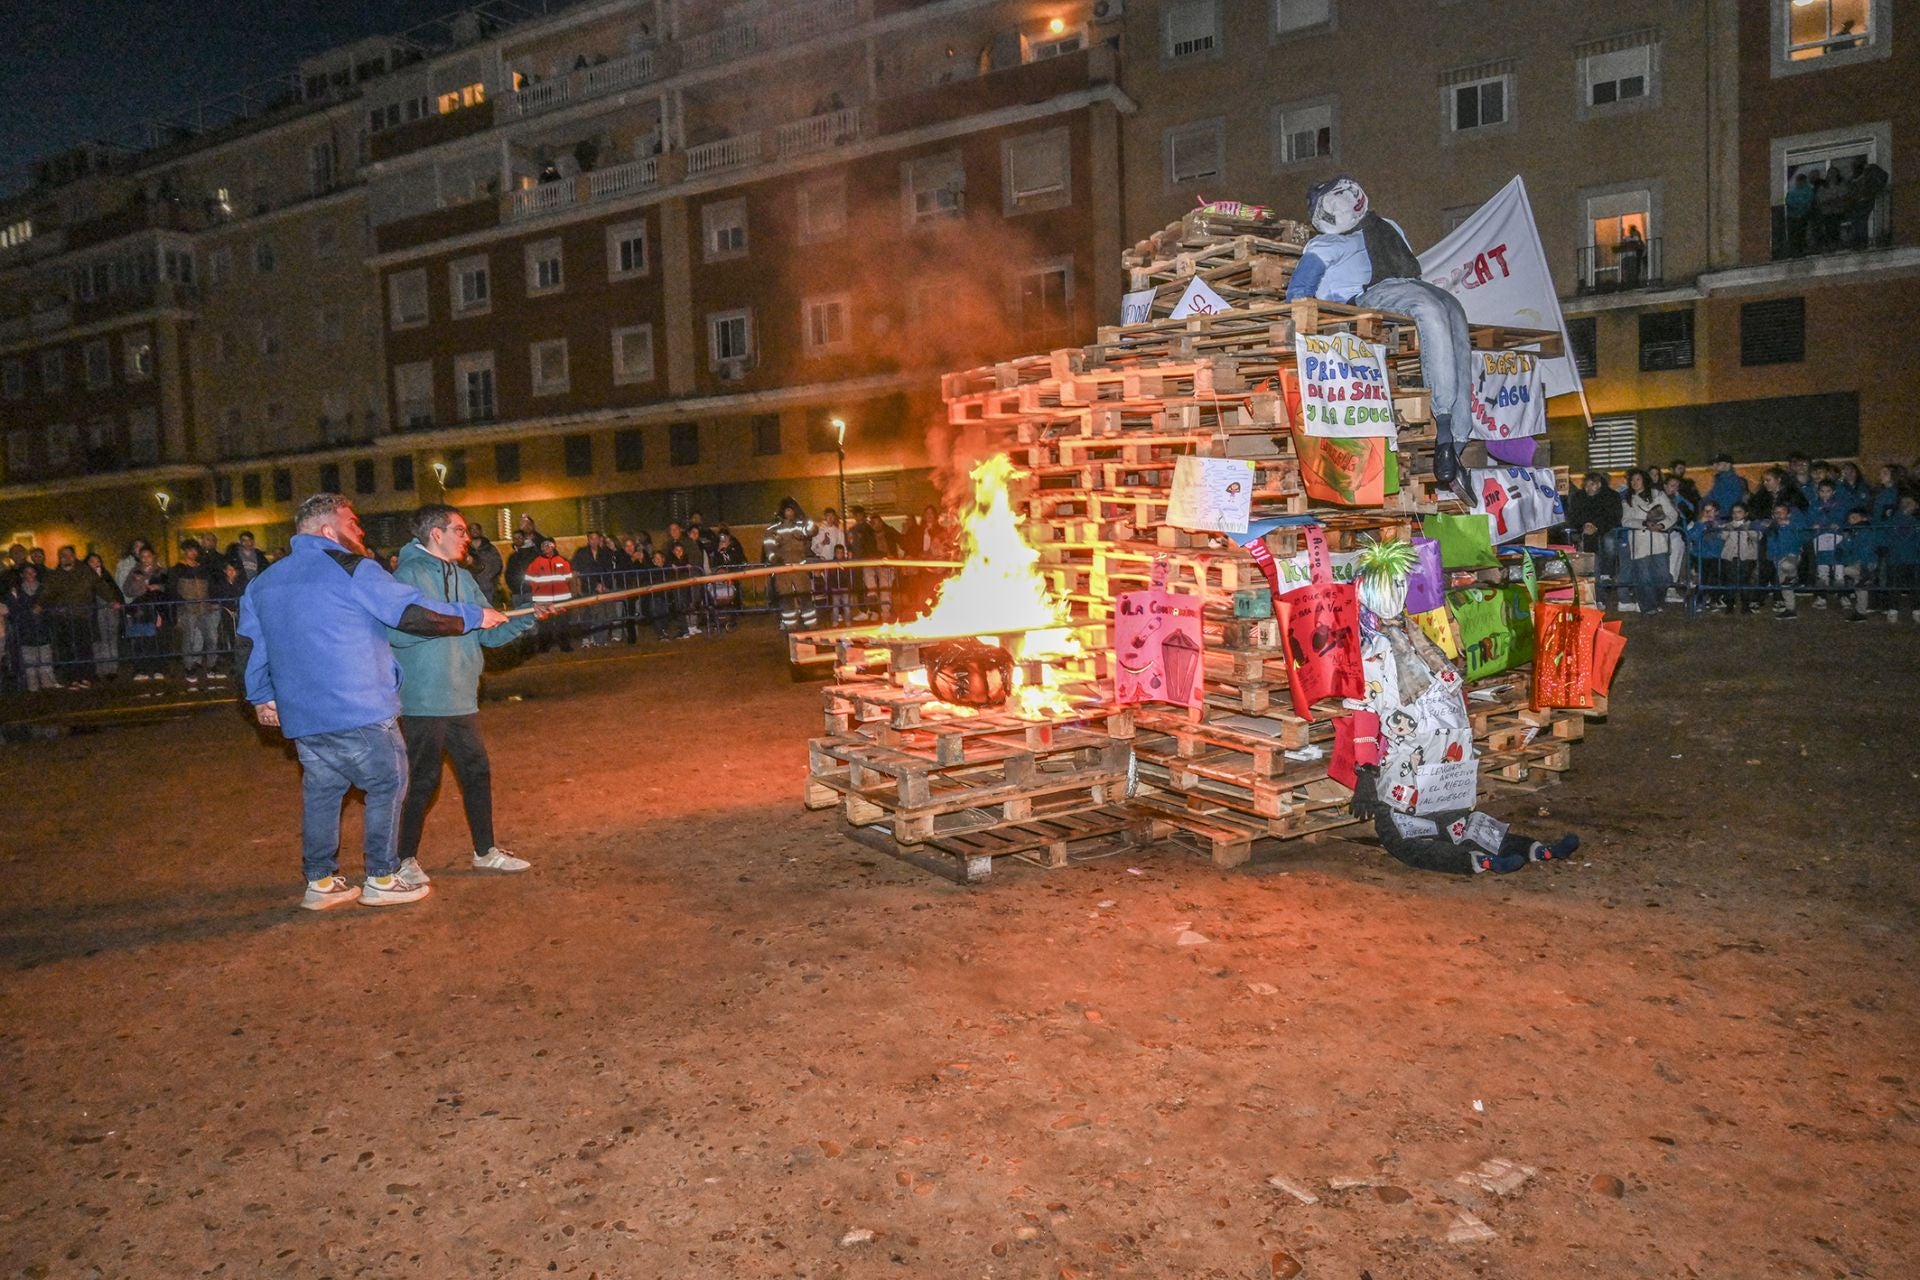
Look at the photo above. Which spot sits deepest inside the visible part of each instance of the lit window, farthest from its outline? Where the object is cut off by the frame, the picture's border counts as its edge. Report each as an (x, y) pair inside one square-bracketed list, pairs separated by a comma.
[(826, 323), (1303, 133), (627, 251), (1037, 171), (1622, 75), (1817, 28), (16, 233), (467, 96), (544, 270), (633, 354), (936, 187), (1196, 152), (549, 359), (729, 338), (407, 296), (724, 229), (473, 383), (1192, 30), (1478, 104), (469, 285)]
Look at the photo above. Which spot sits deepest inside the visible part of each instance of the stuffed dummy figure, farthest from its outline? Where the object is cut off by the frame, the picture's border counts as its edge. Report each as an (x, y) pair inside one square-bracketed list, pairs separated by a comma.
[(1424, 733), (1362, 258)]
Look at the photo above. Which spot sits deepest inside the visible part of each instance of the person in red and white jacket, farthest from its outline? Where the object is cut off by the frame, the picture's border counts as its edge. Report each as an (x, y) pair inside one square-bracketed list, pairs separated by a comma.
[(549, 580)]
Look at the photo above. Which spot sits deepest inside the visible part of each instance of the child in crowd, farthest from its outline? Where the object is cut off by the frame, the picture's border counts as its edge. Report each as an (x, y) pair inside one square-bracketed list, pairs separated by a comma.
[(1899, 538), (1826, 526), (1786, 541), (1859, 553), (1704, 542), (1739, 559)]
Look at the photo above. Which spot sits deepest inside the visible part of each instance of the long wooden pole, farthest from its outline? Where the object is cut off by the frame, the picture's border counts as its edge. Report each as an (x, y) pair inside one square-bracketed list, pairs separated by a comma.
[(758, 571)]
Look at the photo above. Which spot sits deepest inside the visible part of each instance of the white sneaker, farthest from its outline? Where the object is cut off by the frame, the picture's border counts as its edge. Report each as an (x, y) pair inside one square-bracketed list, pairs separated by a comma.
[(1819, 602), (1893, 615), (334, 891), (411, 873), (498, 859), (391, 891)]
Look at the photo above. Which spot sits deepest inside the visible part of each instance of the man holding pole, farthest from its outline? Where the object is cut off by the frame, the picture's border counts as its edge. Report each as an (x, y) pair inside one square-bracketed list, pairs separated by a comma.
[(321, 671), (439, 693)]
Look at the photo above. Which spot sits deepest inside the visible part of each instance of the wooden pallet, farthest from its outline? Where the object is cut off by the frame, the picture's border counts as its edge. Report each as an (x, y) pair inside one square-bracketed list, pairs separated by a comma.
[(1054, 842), (956, 804)]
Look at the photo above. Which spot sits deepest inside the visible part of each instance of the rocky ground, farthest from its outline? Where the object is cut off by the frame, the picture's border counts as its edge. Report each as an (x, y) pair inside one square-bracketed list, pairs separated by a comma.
[(709, 1036)]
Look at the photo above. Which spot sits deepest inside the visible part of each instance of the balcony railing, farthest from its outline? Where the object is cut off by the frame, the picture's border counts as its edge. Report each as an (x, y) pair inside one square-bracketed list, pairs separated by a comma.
[(588, 82), (1614, 268), (727, 153), (618, 180), (610, 183), (1868, 227), (791, 26), (535, 98), (51, 319), (548, 197), (818, 133)]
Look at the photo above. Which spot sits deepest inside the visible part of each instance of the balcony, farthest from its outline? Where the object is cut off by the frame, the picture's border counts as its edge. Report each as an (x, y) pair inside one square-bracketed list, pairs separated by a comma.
[(1613, 268), (727, 153), (588, 82), (821, 132), (1023, 85), (1870, 227), (417, 135), (611, 183), (791, 26)]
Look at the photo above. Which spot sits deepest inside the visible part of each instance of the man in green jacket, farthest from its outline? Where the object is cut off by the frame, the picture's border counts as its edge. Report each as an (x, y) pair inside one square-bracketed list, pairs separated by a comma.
[(439, 693)]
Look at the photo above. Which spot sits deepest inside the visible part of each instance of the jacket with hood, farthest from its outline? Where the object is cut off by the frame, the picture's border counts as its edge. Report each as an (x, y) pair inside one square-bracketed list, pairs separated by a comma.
[(440, 675), (1789, 539), (1728, 487)]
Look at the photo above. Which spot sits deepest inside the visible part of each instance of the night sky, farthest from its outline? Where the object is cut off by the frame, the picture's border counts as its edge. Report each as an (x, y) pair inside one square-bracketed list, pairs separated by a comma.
[(83, 69)]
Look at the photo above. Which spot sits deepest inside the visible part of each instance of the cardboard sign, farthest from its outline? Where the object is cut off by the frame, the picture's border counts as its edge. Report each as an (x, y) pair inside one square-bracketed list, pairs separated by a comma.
[(1516, 500), (1481, 829), (1346, 472), (1157, 649), (1211, 494), (1343, 386), (1137, 307), (1509, 398), (1199, 300), (1450, 784)]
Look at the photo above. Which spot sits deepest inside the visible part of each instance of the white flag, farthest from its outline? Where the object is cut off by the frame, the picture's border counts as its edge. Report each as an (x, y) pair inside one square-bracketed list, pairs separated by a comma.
[(1494, 264)]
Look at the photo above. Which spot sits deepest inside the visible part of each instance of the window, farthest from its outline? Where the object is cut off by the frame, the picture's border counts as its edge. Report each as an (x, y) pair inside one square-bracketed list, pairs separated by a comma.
[(176, 266), (823, 210), (766, 435), (1478, 104), (63, 439), (99, 362), (364, 479), (729, 338), (330, 477), (456, 469), (629, 449), (544, 273), (326, 239), (627, 251), (549, 359), (825, 323), (19, 454), (1614, 444), (1196, 152), (250, 489), (471, 95), (16, 233), (633, 354), (1191, 30), (1301, 15), (1302, 132), (1821, 28), (282, 485), (139, 351), (1583, 344), (1056, 46), (1666, 340), (724, 229), (13, 379), (1036, 171), (407, 298), (934, 186), (1618, 76), (320, 168), (1043, 297), (1773, 332), (263, 257), (469, 285), (413, 393), (683, 444), (403, 473), (1619, 235), (231, 440), (53, 370), (578, 451), (473, 386), (506, 462), (220, 265)]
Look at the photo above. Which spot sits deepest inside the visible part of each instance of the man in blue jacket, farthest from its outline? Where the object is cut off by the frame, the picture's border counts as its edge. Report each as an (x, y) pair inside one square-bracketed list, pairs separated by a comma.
[(321, 671), (440, 692)]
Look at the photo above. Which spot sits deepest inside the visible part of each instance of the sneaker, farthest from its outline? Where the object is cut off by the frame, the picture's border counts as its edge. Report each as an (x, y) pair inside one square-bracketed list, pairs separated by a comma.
[(1785, 615), (192, 680), (498, 859), (1854, 615), (391, 891), (410, 872), (1628, 606), (216, 675), (1725, 606), (1893, 615), (334, 891), (1819, 602)]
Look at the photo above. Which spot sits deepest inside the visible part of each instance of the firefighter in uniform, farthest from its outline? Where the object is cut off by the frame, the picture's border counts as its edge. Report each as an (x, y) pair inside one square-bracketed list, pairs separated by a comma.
[(789, 540)]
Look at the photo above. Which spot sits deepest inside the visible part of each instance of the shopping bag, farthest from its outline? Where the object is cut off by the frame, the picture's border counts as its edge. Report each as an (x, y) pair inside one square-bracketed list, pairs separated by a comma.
[(1563, 644), (1157, 648), (1608, 645), (1496, 633), (1427, 584), (1321, 624), (1466, 542), (1438, 624), (1356, 742)]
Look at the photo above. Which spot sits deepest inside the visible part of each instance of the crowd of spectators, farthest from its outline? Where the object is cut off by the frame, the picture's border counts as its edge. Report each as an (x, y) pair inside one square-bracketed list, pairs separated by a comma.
[(155, 623), (1809, 529)]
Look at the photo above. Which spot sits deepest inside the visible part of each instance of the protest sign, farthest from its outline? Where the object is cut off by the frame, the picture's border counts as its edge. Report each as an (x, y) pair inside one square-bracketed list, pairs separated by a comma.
[(1211, 494), (1509, 400), (1343, 386), (1199, 300), (1516, 500), (1137, 307), (1157, 648)]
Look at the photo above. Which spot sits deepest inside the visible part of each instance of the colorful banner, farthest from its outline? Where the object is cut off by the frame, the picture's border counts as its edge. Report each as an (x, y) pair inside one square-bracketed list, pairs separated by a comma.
[(1343, 386), (1516, 500), (1509, 399), (1157, 649)]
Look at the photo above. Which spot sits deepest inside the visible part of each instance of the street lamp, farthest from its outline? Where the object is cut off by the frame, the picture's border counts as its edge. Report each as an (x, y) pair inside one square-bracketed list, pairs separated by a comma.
[(163, 500), (840, 451)]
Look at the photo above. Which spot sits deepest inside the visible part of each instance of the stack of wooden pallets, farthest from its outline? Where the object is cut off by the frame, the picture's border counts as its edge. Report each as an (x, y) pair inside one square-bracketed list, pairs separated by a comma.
[(1096, 432)]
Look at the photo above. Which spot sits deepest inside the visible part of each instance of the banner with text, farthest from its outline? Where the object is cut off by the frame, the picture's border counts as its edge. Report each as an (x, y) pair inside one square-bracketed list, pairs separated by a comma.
[(1343, 386), (1509, 396)]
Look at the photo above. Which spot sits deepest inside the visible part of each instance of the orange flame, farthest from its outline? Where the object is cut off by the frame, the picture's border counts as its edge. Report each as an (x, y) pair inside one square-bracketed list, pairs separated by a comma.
[(999, 591)]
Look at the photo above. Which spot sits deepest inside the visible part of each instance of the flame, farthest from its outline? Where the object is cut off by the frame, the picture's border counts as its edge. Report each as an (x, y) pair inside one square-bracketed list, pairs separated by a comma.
[(999, 591)]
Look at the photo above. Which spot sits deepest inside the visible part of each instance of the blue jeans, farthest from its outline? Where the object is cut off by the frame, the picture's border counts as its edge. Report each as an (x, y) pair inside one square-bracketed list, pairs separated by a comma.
[(372, 758), (1446, 346)]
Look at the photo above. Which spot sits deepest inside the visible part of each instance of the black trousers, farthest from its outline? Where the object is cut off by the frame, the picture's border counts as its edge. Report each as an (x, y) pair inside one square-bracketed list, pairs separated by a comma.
[(458, 738)]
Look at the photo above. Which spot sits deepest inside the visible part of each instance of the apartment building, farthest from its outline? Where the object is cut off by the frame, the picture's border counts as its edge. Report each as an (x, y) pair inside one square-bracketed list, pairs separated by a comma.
[(1674, 124)]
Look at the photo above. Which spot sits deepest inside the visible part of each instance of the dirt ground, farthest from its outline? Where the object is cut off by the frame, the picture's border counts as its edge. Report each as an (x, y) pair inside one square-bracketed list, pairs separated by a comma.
[(709, 1036)]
